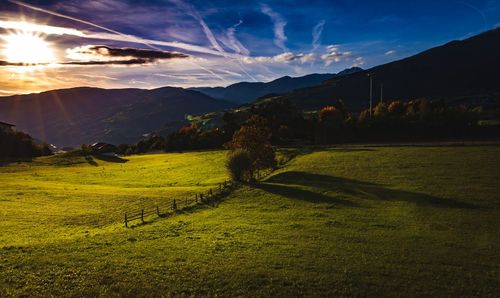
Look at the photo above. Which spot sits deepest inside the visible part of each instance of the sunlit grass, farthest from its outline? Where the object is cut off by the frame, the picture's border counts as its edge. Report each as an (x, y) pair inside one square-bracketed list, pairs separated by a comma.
[(41, 201), (401, 221)]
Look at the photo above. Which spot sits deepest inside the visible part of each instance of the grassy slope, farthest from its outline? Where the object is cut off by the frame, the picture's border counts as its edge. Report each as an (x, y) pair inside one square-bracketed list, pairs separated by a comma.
[(366, 221), (57, 198)]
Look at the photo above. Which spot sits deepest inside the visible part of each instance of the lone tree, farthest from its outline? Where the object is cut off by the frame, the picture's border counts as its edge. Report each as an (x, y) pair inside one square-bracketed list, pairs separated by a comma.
[(254, 138)]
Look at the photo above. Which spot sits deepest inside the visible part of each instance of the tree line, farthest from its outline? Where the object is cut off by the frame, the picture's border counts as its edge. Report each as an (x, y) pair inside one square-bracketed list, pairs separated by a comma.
[(415, 120), (17, 144)]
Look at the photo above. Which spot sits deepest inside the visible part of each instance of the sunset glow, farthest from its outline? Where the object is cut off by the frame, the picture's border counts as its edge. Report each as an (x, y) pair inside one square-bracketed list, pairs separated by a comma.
[(181, 43), (27, 48), (270, 148)]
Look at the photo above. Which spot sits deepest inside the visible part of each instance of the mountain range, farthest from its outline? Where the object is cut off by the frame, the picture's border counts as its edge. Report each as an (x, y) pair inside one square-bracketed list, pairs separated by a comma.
[(460, 71), (71, 117), (244, 92), (466, 71)]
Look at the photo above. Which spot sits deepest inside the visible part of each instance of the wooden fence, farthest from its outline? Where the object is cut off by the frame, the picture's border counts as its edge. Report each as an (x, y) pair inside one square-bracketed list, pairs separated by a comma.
[(177, 204)]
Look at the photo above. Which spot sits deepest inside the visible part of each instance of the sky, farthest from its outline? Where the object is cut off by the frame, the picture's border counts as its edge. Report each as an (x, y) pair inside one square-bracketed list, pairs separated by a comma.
[(186, 43)]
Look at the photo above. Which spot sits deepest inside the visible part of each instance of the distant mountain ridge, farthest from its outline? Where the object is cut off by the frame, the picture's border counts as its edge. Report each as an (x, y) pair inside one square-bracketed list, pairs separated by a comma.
[(71, 117), (244, 92), (457, 71), (465, 70)]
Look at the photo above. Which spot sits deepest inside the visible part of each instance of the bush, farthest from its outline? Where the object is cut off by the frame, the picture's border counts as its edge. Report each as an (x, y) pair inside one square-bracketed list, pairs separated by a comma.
[(254, 137), (239, 165)]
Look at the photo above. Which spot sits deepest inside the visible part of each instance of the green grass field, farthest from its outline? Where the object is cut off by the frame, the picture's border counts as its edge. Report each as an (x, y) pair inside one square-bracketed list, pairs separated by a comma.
[(349, 221)]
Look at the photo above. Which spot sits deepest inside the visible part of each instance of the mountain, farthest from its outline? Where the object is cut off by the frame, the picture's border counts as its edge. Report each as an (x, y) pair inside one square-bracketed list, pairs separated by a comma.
[(71, 117), (244, 92), (459, 71)]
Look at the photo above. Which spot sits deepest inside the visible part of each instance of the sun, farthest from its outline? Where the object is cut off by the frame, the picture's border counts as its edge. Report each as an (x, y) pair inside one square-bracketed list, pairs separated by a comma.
[(27, 48)]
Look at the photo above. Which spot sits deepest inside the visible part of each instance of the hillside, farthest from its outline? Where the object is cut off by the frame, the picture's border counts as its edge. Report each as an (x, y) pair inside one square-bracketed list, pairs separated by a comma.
[(466, 71), (345, 221), (71, 117), (244, 92)]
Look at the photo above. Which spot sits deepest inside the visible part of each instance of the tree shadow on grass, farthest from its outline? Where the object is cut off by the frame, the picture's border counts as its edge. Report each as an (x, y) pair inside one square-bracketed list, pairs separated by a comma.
[(301, 194), (90, 160), (286, 183), (113, 158), (7, 161), (349, 149)]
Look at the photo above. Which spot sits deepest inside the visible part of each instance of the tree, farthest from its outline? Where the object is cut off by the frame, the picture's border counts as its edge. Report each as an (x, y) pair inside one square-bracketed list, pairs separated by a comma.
[(330, 117), (254, 137), (239, 164), (380, 110), (17, 144), (396, 108)]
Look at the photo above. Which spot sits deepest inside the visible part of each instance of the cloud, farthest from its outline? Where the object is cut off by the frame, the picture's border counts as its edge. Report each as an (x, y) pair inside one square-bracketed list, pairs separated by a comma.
[(31, 27), (360, 61), (110, 34), (334, 55), (478, 11), (391, 52), (281, 58), (130, 52), (190, 9), (110, 62), (316, 34), (233, 43), (104, 55), (6, 63), (279, 26), (196, 15), (95, 76)]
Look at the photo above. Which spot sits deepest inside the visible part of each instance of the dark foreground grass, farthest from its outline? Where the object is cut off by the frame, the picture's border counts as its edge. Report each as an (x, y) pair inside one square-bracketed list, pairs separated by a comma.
[(348, 221)]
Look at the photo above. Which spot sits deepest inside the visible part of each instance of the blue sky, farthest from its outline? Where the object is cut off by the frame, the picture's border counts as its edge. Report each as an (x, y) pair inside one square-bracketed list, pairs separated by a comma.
[(111, 43)]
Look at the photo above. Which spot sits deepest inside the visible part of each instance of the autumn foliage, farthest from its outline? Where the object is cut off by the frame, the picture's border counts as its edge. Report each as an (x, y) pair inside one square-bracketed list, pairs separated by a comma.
[(254, 137)]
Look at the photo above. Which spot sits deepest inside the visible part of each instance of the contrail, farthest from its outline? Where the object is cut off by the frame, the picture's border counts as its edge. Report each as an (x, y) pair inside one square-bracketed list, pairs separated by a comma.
[(124, 37), (316, 34), (127, 37), (279, 24), (234, 43), (190, 9), (483, 16)]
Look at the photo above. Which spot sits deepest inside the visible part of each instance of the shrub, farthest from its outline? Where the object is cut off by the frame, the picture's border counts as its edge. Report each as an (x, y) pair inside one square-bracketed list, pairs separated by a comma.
[(380, 110), (330, 117), (254, 137), (239, 165), (396, 108), (364, 118)]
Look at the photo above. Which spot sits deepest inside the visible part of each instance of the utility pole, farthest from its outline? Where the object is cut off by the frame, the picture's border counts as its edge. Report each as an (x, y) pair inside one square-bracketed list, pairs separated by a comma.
[(381, 92), (371, 93)]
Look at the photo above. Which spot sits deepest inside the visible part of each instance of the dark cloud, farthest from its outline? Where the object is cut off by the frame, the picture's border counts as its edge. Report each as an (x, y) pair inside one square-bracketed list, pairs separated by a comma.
[(105, 55), (150, 55), (7, 63), (110, 62), (130, 56)]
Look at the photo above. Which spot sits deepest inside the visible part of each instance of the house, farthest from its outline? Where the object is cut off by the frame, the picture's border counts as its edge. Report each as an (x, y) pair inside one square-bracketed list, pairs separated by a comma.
[(103, 148), (6, 126)]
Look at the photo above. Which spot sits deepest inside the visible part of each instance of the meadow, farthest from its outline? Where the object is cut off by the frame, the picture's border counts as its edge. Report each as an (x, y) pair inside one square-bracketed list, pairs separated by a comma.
[(343, 221)]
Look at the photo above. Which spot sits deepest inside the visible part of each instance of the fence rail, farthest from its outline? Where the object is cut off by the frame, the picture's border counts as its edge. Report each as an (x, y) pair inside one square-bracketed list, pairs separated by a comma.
[(177, 204)]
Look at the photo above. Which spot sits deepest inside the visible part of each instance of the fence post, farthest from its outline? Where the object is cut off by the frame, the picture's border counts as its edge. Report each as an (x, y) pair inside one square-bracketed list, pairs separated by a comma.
[(126, 222), (196, 198), (174, 205), (158, 210), (201, 197), (142, 215)]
